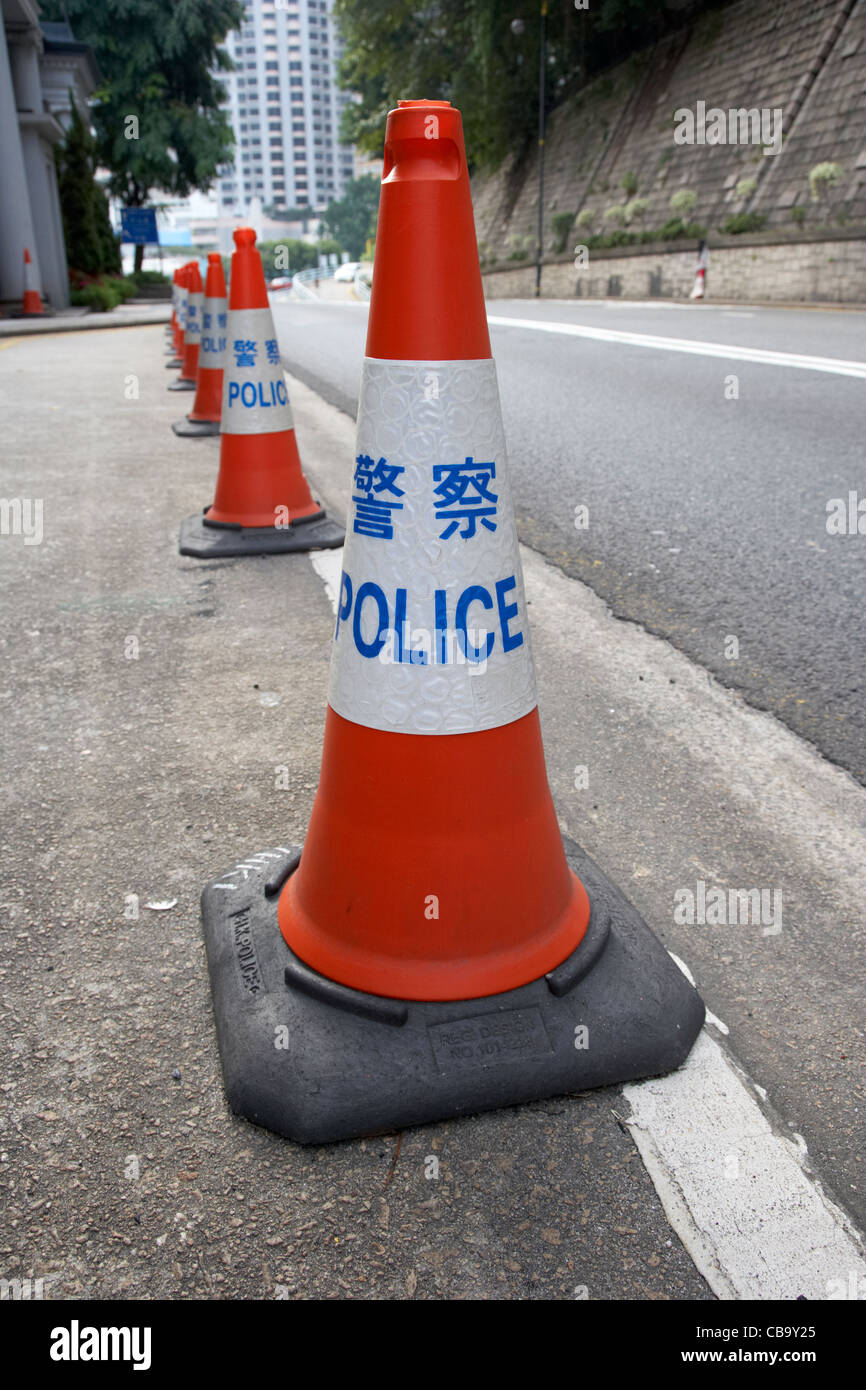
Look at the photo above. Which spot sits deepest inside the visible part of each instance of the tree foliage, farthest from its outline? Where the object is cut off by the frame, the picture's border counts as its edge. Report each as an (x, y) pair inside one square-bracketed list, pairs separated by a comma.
[(466, 52), (91, 246), (351, 220), (158, 63)]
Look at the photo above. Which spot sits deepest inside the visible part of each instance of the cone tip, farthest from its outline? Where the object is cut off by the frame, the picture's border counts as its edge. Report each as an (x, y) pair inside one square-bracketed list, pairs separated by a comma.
[(214, 258), (244, 236), (26, 255)]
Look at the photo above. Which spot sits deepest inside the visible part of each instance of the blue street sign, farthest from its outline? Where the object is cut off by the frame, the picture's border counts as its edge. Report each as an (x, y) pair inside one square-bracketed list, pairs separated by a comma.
[(139, 226)]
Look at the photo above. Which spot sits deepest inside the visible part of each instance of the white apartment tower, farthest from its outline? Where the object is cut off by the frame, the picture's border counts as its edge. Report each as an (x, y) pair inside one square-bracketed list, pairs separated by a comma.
[(284, 107)]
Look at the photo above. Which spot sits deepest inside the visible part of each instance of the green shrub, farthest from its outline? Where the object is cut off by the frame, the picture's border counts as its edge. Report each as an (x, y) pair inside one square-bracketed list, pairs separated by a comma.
[(629, 184), (798, 215), (744, 222), (148, 277), (101, 298), (746, 187), (636, 209), (822, 177), (608, 240), (683, 202), (560, 226), (675, 228), (125, 288), (615, 214), (585, 219)]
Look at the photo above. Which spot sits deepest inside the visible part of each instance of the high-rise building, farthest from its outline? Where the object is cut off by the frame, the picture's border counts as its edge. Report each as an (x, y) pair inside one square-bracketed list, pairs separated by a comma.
[(284, 106)]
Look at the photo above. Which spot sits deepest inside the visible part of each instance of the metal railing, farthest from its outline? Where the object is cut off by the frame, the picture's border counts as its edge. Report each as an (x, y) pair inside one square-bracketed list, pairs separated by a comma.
[(304, 281)]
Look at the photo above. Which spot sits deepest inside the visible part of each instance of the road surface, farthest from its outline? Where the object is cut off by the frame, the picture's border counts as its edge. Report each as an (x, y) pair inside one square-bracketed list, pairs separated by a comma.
[(707, 478)]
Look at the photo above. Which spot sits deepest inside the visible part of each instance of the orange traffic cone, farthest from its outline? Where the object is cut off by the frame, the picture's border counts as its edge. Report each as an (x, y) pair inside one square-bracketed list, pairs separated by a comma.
[(204, 418), (263, 504), (171, 327), (182, 294), (444, 951), (191, 332), (31, 300)]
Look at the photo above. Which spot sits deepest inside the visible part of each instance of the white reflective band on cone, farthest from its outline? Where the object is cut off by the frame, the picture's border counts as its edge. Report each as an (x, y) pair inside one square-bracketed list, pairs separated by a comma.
[(181, 306), (214, 320), (255, 399), (432, 635), (193, 315)]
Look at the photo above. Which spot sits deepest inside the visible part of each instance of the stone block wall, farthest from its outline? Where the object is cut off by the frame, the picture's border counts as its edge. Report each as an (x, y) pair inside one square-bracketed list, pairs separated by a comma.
[(817, 271), (805, 57)]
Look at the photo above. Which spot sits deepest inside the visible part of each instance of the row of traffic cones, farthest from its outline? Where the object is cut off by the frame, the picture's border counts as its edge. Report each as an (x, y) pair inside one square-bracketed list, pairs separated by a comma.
[(435, 947), (226, 349)]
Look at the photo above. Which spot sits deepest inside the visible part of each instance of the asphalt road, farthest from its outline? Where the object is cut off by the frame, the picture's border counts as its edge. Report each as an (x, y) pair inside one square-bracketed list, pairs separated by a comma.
[(707, 510)]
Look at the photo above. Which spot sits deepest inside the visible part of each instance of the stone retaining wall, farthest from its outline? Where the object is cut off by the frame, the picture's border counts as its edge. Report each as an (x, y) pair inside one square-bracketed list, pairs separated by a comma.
[(818, 271)]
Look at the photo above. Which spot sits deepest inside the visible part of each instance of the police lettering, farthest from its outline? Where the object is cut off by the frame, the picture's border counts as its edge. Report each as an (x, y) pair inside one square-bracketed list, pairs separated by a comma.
[(370, 615), (254, 393)]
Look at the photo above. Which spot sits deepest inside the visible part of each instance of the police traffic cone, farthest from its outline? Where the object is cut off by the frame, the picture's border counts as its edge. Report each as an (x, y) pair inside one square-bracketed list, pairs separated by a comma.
[(263, 504), (31, 300), (182, 294), (191, 332), (204, 418), (436, 948), (171, 327)]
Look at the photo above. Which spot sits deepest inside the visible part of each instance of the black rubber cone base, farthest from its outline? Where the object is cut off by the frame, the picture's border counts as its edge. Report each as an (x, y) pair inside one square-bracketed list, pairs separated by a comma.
[(209, 542), (317, 1062), (174, 364), (182, 385), (195, 428)]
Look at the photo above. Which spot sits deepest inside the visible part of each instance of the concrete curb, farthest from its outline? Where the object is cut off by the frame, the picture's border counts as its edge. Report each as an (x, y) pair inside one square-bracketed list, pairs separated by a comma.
[(61, 323)]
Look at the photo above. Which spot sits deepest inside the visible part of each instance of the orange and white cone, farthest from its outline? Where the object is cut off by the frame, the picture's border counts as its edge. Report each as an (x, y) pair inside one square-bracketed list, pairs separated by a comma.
[(204, 418), (699, 287), (182, 296), (192, 331), (171, 327), (31, 300), (263, 503), (445, 950)]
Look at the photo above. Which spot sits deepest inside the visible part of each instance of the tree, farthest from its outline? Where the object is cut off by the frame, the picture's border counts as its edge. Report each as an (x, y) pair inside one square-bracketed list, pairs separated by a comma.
[(283, 257), (157, 114), (483, 56), (351, 220), (91, 246)]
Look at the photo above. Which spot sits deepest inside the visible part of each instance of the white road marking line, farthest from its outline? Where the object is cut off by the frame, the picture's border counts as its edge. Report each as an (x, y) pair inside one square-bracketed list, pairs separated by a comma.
[(736, 1193), (328, 565), (838, 365)]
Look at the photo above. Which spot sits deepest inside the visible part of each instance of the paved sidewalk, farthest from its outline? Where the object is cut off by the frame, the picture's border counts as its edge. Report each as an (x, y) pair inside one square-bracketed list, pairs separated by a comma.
[(148, 700)]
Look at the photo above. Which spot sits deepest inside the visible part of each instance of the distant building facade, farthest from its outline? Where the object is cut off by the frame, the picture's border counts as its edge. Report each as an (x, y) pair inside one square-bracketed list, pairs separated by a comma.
[(43, 69), (284, 107)]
